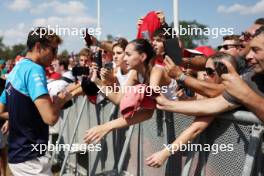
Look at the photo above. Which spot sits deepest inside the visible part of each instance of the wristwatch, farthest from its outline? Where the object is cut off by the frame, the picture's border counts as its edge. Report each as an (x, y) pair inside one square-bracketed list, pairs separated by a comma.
[(181, 79)]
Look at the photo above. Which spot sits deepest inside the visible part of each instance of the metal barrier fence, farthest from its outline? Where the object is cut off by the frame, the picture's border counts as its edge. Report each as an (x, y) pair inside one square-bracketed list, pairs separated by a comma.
[(124, 151)]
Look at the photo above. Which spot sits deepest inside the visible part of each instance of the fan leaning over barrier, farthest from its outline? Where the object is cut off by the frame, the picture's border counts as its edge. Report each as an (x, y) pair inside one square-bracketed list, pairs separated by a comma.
[(211, 78), (140, 62), (138, 55), (247, 90), (137, 58)]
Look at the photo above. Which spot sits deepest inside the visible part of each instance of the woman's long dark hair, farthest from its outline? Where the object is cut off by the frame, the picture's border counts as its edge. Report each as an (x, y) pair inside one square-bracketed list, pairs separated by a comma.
[(143, 46)]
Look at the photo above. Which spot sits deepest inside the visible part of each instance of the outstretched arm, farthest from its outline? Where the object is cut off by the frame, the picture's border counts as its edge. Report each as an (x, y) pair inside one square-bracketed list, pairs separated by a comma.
[(205, 107), (96, 133), (198, 126), (203, 88)]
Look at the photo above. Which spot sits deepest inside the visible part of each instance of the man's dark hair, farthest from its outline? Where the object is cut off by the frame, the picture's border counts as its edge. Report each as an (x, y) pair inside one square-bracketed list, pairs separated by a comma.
[(64, 62), (259, 21), (232, 37), (163, 32), (259, 31), (42, 35)]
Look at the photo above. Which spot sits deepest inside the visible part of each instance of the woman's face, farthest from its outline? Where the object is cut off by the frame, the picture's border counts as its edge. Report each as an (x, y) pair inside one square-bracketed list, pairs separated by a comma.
[(133, 59), (118, 56), (158, 46), (210, 73), (85, 60)]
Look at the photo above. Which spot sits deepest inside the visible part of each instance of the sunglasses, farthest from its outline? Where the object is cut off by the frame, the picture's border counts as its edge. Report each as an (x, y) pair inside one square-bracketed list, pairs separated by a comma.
[(246, 36), (209, 71), (228, 46)]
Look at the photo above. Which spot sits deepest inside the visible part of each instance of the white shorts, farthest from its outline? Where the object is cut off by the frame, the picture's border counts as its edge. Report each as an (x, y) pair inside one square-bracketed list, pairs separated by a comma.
[(39, 166)]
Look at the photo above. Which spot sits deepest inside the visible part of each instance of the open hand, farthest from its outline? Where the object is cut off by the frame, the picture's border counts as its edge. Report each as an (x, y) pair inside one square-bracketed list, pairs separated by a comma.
[(157, 159), (95, 134)]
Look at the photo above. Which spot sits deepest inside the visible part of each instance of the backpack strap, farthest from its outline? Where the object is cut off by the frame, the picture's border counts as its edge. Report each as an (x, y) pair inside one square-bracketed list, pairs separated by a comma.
[(66, 79)]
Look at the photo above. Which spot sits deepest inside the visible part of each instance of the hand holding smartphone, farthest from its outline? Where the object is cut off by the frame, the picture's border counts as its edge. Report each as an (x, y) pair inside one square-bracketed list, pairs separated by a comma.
[(88, 38), (220, 68)]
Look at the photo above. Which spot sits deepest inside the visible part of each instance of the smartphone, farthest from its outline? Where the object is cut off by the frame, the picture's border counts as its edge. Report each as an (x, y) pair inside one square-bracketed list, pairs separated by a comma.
[(88, 38), (173, 50), (98, 58), (220, 68)]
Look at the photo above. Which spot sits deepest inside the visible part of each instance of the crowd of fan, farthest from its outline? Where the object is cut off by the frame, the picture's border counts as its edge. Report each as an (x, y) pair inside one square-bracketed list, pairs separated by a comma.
[(201, 82)]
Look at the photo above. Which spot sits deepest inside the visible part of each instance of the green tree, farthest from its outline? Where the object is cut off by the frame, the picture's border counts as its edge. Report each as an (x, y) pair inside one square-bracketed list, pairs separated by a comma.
[(64, 54), (192, 41), (11, 52), (2, 48), (18, 49), (109, 37), (6, 54)]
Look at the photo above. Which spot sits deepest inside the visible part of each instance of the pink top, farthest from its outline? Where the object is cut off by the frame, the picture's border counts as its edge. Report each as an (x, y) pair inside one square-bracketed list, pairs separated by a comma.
[(134, 99)]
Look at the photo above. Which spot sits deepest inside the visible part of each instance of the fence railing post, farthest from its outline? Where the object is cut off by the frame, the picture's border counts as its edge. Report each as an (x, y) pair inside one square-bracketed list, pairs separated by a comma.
[(64, 121), (257, 131), (84, 101)]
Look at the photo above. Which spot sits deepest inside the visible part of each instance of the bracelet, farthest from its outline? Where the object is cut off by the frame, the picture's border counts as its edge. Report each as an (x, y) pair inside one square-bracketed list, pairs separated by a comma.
[(170, 150), (181, 79)]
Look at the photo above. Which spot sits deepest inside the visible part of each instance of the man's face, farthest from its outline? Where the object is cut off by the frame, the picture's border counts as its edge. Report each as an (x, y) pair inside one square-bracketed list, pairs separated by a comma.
[(48, 53), (231, 47), (158, 45), (56, 66), (255, 57)]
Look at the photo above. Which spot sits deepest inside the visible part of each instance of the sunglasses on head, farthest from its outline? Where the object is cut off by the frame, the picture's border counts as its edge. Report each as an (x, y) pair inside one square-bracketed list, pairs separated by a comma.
[(246, 36), (209, 71)]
